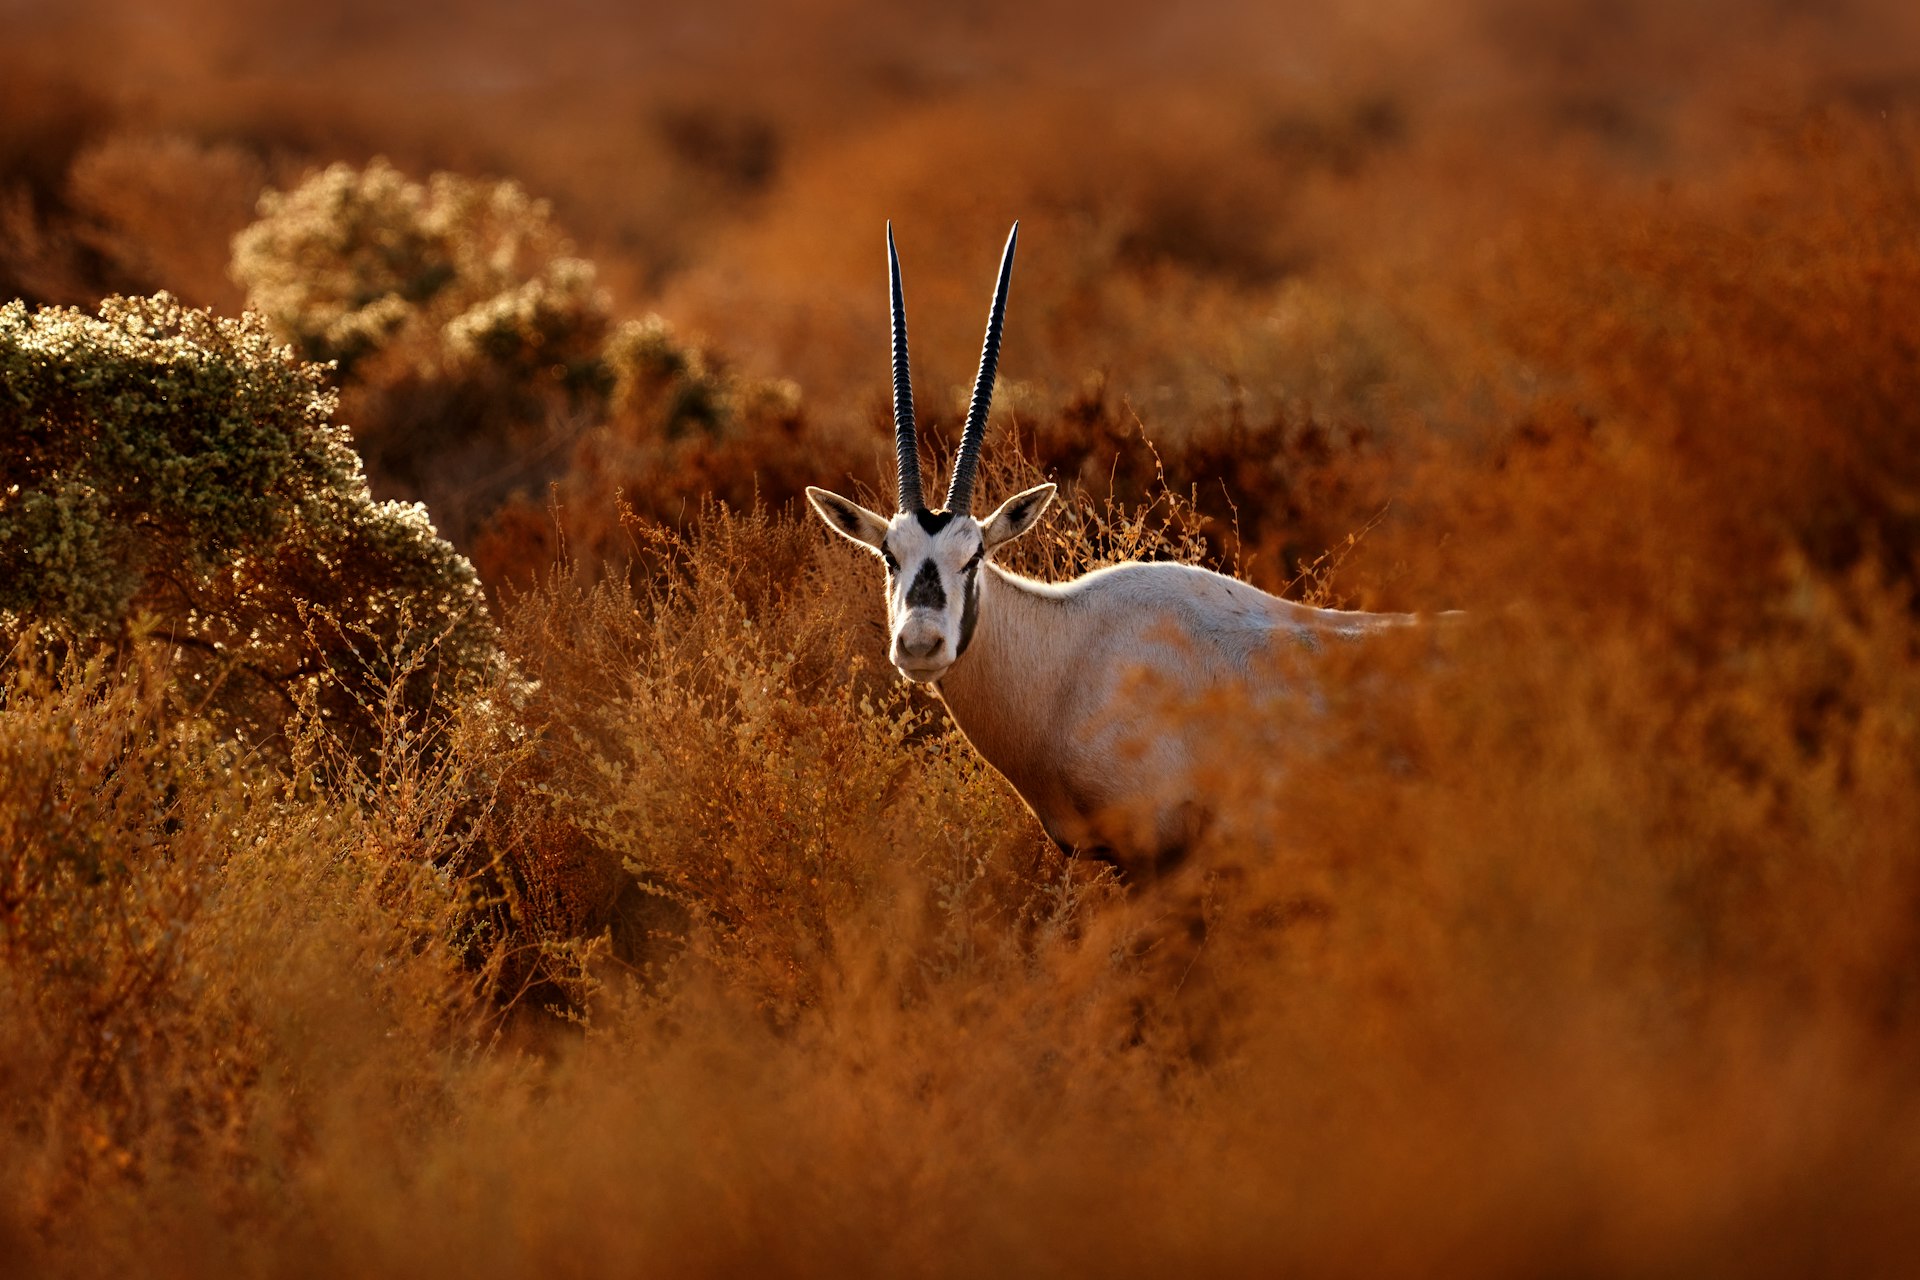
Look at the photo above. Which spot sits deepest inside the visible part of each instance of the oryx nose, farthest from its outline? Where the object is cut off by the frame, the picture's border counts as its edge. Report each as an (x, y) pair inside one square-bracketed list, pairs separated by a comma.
[(924, 648)]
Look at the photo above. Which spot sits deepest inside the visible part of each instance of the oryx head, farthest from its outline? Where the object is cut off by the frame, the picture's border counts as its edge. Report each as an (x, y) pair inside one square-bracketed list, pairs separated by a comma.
[(934, 558)]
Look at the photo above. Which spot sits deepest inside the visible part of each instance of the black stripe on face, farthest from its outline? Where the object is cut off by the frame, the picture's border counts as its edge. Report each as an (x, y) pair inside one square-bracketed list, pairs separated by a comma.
[(926, 592), (969, 607), (968, 615)]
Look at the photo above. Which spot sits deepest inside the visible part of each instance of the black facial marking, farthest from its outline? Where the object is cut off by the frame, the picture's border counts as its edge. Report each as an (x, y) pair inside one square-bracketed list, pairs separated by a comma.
[(969, 607), (934, 521), (926, 593)]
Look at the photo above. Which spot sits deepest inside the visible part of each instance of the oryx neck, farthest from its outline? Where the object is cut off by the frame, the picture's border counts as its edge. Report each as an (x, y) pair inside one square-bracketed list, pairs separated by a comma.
[(1002, 691), (1011, 616)]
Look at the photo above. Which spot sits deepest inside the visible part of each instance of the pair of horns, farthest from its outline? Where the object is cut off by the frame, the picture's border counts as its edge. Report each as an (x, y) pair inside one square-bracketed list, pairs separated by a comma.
[(906, 444)]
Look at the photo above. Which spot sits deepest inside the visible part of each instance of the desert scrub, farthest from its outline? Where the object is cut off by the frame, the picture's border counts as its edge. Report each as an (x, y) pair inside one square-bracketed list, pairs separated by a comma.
[(477, 358), (461, 276), (656, 376), (725, 762), (681, 426), (354, 261), (178, 475), (465, 338), (161, 890)]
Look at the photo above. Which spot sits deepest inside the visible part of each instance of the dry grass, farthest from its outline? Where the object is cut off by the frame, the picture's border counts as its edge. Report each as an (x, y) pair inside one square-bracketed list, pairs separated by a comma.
[(1530, 960), (1580, 937)]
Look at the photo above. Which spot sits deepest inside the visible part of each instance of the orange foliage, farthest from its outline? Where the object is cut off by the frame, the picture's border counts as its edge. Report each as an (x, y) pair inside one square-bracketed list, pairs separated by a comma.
[(1579, 936)]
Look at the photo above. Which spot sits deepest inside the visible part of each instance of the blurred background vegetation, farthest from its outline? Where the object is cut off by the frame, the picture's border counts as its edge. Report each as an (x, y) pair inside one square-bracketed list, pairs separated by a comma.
[(455, 814)]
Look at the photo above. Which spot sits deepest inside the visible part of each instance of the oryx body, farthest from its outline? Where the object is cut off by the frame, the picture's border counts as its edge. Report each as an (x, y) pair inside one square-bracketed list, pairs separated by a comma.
[(1070, 690)]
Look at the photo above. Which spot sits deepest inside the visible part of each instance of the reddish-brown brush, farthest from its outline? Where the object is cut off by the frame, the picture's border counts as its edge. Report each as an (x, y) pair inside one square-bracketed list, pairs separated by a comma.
[(1580, 936)]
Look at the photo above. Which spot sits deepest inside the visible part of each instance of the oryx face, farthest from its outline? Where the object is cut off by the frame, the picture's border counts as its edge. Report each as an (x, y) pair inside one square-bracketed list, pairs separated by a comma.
[(933, 564), (935, 561)]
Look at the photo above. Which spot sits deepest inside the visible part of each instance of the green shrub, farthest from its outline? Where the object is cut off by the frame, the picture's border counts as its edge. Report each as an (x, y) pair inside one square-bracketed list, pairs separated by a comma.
[(177, 474)]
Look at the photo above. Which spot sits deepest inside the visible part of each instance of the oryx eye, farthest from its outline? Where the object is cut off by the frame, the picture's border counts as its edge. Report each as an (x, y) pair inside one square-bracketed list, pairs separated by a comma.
[(893, 566), (974, 563)]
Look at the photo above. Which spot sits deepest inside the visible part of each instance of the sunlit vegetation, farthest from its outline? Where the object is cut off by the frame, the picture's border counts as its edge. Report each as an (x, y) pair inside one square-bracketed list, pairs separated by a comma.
[(553, 878), (174, 479)]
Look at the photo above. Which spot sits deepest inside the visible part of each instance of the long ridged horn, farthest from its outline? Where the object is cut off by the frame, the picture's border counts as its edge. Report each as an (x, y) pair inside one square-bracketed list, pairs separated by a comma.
[(905, 443), (960, 489)]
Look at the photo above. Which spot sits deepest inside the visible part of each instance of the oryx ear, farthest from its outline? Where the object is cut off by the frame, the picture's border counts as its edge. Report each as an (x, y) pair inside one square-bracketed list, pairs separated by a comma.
[(1016, 515), (848, 519)]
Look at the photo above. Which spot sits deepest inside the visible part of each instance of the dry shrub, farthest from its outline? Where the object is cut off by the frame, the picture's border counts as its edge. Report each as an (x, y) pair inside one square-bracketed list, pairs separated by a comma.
[(464, 332), (1508, 956), (1270, 496), (1577, 936), (478, 359), (681, 429), (163, 209), (355, 262), (48, 118), (1660, 306), (94, 203), (714, 750), (162, 895), (1551, 935), (722, 759)]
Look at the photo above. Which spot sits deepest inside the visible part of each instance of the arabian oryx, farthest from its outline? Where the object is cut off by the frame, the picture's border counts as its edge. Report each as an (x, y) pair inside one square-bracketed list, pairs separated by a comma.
[(1046, 678)]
